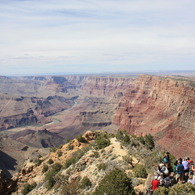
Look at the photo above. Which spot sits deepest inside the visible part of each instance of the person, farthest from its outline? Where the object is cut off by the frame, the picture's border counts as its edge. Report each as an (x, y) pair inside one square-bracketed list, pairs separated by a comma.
[(162, 172), (175, 167), (190, 165), (166, 158), (191, 180), (168, 181), (155, 183), (179, 171), (186, 168)]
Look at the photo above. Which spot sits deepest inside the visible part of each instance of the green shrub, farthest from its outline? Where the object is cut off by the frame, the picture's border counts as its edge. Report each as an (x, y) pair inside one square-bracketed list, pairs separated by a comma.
[(149, 141), (56, 167), (50, 161), (53, 149), (71, 188), (140, 171), (101, 141), (45, 168), (102, 166), (95, 154), (85, 182), (177, 189), (28, 188), (75, 157), (70, 147), (123, 137), (115, 182), (128, 159), (59, 153), (81, 139), (38, 162), (50, 175)]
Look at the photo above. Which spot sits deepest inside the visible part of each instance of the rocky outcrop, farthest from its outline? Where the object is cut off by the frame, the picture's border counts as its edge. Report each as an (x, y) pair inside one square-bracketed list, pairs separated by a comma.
[(19, 120), (23, 111), (163, 107), (107, 86), (38, 139), (7, 186)]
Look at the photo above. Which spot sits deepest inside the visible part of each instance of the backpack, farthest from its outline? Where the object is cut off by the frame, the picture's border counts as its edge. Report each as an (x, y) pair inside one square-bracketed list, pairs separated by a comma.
[(168, 182), (165, 160)]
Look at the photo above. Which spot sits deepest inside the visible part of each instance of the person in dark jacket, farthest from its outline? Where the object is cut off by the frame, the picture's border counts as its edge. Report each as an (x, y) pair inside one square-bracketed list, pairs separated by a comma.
[(180, 171)]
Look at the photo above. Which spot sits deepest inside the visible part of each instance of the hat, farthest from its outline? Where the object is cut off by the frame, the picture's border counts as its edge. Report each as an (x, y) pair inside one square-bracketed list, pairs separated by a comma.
[(161, 165), (156, 177)]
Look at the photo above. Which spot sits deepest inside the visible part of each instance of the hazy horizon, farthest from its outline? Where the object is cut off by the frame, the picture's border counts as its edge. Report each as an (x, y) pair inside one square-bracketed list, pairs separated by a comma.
[(42, 37)]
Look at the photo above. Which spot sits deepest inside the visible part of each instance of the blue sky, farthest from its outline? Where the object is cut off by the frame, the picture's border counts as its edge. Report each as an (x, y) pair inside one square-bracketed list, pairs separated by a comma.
[(93, 36)]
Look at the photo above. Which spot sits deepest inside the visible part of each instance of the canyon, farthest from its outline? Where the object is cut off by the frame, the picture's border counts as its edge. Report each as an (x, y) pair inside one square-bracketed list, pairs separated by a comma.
[(67, 106)]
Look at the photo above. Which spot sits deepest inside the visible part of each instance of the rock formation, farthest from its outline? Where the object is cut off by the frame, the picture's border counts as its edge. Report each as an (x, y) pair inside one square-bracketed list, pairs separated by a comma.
[(163, 107)]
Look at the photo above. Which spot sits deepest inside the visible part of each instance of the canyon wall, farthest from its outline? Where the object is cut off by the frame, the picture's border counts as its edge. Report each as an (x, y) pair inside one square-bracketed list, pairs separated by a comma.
[(107, 86), (163, 107)]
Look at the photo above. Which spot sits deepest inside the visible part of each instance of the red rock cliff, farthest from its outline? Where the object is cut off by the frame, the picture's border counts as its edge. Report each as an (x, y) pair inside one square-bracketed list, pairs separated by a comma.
[(163, 107)]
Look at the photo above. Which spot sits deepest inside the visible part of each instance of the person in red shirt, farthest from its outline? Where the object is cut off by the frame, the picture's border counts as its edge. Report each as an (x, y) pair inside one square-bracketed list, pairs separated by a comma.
[(155, 183)]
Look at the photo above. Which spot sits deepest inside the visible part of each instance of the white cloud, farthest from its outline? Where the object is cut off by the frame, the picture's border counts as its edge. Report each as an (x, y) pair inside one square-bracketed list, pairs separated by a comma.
[(58, 33)]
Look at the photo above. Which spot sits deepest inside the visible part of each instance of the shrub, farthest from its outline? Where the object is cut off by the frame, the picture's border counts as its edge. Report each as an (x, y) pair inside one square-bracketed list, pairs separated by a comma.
[(45, 168), (70, 147), (123, 137), (128, 159), (177, 189), (75, 157), (102, 166), (56, 167), (50, 175), (115, 182), (101, 141), (95, 154), (81, 139), (38, 162), (140, 171), (50, 161), (28, 188), (59, 153), (149, 141), (53, 149), (71, 188), (85, 182)]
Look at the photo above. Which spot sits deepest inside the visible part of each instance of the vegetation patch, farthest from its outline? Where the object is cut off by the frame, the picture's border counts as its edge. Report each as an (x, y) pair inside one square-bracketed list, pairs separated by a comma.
[(85, 182), (115, 182), (140, 171), (50, 161), (50, 175), (28, 188), (75, 157), (102, 166), (45, 168), (81, 139)]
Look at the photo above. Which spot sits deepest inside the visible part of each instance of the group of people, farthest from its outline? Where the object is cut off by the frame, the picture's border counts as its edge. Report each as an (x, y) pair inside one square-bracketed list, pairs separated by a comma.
[(166, 175)]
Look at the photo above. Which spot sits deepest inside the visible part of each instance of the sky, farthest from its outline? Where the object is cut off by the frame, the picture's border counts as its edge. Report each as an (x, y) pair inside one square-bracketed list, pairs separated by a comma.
[(96, 36)]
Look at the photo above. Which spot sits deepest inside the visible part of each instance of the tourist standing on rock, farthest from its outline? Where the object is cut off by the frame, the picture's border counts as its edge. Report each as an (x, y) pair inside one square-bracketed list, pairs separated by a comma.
[(166, 158), (186, 168), (179, 171), (155, 183), (167, 161), (162, 172), (175, 168)]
